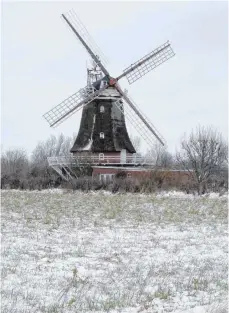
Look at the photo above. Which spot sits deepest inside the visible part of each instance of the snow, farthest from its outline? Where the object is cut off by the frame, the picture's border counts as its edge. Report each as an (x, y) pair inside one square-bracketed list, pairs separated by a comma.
[(182, 195), (161, 194), (213, 308), (99, 252), (88, 146)]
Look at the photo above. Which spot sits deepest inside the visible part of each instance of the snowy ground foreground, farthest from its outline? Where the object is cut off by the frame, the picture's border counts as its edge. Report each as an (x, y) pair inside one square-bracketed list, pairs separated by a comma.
[(98, 252)]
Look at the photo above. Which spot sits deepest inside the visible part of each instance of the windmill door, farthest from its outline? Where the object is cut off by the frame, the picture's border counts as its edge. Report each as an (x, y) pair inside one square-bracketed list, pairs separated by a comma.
[(123, 156)]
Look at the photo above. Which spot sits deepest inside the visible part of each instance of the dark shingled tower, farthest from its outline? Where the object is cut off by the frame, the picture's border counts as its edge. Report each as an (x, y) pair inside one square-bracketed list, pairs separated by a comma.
[(103, 128)]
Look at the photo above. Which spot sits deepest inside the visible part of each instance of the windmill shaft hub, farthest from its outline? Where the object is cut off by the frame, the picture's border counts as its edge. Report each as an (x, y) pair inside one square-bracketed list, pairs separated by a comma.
[(112, 81)]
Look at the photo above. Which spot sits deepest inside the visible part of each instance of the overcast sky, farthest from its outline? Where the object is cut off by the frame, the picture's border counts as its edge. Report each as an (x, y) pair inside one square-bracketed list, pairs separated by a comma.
[(43, 63)]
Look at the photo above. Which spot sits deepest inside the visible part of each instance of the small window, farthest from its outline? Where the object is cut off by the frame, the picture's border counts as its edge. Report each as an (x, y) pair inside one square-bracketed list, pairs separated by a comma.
[(102, 109), (103, 84), (106, 178), (101, 135), (102, 177), (101, 156)]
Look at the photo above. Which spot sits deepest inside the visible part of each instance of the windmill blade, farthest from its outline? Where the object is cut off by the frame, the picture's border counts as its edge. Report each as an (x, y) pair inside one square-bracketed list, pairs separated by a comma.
[(148, 63), (71, 105), (80, 31), (136, 122), (145, 128)]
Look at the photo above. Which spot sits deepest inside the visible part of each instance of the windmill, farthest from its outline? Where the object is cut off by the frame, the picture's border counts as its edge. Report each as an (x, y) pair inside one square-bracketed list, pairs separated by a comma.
[(105, 104)]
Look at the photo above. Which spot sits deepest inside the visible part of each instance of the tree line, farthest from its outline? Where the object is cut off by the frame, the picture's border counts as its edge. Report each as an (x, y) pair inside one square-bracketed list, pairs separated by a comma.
[(203, 154)]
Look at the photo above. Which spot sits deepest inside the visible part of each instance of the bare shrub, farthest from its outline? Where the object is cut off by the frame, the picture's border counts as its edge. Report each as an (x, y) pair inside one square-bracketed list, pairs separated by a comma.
[(14, 168), (85, 183)]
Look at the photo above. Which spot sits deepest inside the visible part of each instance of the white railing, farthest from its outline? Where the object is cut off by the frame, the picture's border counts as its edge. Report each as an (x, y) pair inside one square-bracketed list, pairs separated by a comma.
[(96, 159)]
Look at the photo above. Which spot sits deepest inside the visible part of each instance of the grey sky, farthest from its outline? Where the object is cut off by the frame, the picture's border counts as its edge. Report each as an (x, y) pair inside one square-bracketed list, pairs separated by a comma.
[(43, 63)]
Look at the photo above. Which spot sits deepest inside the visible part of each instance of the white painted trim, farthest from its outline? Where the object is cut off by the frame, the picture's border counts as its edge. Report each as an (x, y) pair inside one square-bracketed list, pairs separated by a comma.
[(106, 177), (124, 168), (139, 169), (110, 98), (101, 156), (123, 156)]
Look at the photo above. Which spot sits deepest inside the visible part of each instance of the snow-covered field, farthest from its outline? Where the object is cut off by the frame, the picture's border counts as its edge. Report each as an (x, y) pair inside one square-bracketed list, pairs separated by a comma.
[(98, 252)]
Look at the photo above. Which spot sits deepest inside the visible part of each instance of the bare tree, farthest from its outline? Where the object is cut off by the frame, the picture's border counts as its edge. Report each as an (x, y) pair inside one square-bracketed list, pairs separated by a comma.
[(136, 141), (14, 167), (160, 156), (53, 146), (203, 154)]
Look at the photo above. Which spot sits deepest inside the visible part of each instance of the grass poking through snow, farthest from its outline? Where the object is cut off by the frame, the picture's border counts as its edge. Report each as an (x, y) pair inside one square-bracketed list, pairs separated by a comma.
[(96, 252)]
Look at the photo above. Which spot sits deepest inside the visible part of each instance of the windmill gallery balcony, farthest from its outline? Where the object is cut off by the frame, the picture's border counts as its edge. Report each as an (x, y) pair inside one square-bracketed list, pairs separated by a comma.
[(106, 166), (119, 159)]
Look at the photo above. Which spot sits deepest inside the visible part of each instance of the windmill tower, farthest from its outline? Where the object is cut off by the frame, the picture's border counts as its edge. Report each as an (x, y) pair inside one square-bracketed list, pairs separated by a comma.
[(102, 128), (103, 136)]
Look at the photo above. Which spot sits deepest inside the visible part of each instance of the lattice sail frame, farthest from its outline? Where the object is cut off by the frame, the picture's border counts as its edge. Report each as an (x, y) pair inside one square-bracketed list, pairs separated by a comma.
[(150, 61), (82, 30), (138, 124), (72, 103)]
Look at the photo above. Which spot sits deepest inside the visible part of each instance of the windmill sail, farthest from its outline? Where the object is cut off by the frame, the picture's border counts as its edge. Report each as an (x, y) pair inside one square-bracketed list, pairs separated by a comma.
[(70, 105), (142, 124), (87, 47), (83, 32), (148, 63)]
